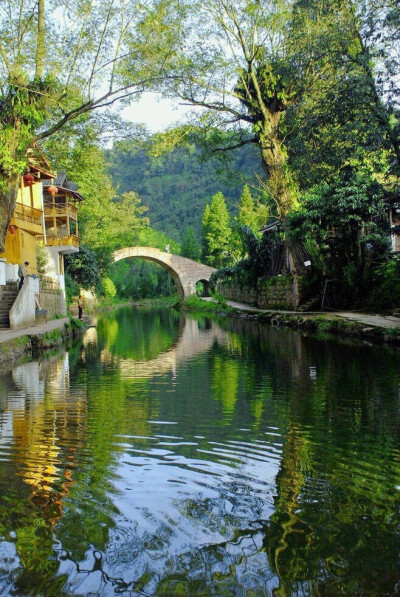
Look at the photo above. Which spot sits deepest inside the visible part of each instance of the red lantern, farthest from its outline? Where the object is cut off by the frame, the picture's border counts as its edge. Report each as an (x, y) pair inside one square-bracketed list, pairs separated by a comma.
[(12, 229), (52, 190), (28, 179)]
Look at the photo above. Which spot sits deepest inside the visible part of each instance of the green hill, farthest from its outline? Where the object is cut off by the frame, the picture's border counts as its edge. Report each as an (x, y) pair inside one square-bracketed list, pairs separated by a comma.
[(177, 186)]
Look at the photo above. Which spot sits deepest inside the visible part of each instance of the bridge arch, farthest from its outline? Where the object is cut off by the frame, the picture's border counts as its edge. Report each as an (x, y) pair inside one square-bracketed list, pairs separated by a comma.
[(185, 272)]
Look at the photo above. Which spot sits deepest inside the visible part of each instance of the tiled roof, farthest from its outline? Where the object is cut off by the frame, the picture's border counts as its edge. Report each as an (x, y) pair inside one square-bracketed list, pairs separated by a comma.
[(63, 184)]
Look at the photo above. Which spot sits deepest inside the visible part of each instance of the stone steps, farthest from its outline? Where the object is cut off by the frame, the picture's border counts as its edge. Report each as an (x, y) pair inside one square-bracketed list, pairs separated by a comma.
[(8, 294), (310, 305)]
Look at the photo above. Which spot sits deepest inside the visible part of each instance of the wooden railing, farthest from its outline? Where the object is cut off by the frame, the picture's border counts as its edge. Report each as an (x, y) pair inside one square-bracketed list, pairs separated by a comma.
[(46, 283), (28, 214), (52, 240), (61, 209)]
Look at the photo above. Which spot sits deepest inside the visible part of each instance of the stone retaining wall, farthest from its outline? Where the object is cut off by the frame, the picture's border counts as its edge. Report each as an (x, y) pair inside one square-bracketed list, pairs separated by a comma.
[(235, 292), (53, 302), (279, 292)]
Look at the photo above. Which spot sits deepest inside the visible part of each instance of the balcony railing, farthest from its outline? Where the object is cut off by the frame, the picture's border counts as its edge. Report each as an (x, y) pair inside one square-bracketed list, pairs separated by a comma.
[(52, 240), (60, 209), (28, 214)]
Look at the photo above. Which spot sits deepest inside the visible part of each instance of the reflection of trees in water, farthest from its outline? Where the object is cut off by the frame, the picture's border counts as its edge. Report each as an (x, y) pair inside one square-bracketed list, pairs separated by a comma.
[(341, 426), (339, 405), (140, 335)]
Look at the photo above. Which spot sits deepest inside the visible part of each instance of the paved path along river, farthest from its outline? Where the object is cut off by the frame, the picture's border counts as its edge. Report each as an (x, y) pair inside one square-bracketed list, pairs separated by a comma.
[(370, 319)]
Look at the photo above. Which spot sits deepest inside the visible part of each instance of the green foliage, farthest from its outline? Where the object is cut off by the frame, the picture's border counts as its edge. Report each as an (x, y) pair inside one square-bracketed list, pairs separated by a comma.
[(386, 285), (83, 267), (247, 211), (41, 259), (259, 260), (106, 221), (217, 231), (71, 288), (176, 187), (195, 303), (190, 245), (136, 279), (109, 289), (344, 223), (23, 109)]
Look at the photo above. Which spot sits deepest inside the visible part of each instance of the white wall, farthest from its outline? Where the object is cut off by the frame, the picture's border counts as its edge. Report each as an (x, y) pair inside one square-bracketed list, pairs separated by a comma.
[(2, 272), (22, 313)]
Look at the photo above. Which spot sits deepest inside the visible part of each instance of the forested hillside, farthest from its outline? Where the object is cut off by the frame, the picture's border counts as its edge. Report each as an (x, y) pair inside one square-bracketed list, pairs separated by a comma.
[(177, 186)]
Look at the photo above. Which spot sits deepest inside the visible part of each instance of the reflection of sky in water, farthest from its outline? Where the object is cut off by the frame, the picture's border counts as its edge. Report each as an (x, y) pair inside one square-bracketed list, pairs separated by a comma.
[(174, 510)]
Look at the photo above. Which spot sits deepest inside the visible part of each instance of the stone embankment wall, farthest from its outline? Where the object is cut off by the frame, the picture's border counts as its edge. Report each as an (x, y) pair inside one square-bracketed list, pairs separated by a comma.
[(279, 292), (235, 292), (52, 301)]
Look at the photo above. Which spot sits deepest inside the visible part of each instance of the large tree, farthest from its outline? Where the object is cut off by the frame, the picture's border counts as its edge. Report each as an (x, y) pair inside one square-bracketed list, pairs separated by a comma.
[(262, 68), (60, 59), (352, 115), (247, 64), (236, 65)]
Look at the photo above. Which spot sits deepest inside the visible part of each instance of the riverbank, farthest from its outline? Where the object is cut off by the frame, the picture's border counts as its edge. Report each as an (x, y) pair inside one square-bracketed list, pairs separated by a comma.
[(15, 344), (372, 328)]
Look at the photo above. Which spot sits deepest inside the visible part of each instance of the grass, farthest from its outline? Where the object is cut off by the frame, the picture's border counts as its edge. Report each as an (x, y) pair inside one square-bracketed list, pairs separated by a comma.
[(195, 303), (16, 343)]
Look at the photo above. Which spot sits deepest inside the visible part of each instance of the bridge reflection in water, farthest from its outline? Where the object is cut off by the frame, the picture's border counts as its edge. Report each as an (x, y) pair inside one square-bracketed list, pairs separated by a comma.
[(191, 340)]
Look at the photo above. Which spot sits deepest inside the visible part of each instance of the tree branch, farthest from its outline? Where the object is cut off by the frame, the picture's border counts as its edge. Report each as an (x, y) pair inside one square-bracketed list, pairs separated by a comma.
[(236, 146)]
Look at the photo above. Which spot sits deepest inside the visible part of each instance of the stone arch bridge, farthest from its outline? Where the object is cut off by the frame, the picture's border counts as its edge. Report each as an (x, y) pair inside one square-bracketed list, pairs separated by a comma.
[(185, 272)]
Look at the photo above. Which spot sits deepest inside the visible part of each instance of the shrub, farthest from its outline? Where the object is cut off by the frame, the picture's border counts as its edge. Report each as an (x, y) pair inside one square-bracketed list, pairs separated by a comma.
[(109, 289)]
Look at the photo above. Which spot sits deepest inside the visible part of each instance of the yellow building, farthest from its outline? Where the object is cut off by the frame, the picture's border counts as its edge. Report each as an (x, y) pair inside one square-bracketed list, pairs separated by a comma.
[(28, 219), (45, 215)]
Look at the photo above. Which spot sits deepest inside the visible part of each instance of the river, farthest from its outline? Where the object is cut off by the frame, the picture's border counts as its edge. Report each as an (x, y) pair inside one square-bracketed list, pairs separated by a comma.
[(167, 454)]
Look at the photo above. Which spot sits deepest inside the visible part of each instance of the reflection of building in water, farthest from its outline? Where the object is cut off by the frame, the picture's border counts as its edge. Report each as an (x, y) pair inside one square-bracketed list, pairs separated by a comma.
[(47, 426), (191, 341), (29, 378), (90, 336)]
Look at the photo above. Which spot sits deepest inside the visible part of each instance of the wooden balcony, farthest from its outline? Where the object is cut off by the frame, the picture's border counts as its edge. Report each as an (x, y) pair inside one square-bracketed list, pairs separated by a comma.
[(28, 214), (58, 210), (52, 240)]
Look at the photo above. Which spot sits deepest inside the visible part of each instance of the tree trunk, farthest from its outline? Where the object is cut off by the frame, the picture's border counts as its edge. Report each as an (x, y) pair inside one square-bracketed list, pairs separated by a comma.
[(41, 46), (8, 195), (273, 156)]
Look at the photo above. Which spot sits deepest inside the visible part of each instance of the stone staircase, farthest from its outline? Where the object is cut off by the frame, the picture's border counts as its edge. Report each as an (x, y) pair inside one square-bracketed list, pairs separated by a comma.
[(311, 305), (8, 294)]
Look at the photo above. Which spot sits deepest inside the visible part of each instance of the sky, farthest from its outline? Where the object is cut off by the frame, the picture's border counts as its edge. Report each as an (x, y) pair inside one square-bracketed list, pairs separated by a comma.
[(157, 114)]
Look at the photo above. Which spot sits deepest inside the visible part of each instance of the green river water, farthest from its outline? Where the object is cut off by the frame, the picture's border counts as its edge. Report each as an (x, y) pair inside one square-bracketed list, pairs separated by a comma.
[(167, 454)]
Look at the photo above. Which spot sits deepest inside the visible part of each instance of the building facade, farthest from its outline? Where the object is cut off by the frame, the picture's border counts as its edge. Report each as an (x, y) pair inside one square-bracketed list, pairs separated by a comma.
[(45, 216)]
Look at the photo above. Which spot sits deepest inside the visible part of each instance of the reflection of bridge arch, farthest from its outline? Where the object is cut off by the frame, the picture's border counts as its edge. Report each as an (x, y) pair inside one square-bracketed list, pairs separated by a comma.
[(185, 272), (191, 341)]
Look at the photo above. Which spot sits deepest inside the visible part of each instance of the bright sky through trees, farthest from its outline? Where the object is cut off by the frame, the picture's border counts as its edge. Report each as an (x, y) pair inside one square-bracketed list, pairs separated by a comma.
[(156, 113)]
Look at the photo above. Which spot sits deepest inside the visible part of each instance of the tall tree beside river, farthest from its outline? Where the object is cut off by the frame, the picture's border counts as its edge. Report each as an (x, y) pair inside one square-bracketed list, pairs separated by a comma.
[(295, 78), (216, 231), (352, 114)]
